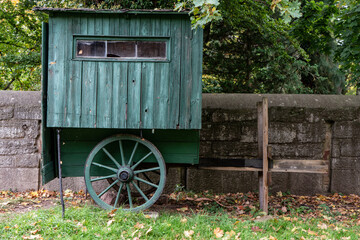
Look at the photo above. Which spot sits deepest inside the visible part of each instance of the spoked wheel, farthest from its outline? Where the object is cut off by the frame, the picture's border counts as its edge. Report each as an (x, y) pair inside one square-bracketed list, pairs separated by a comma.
[(127, 167)]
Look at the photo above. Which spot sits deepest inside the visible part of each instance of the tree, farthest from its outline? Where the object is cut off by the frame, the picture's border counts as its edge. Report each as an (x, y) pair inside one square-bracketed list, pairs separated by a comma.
[(20, 42)]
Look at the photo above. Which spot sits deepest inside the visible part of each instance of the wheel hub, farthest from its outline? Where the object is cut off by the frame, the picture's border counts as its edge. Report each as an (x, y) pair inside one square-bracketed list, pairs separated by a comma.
[(125, 174)]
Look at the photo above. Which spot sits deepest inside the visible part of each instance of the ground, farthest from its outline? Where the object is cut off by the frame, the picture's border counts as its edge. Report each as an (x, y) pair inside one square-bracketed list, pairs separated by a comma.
[(335, 206)]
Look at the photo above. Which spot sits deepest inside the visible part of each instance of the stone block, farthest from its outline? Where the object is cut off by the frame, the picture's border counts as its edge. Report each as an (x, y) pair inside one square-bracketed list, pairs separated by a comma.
[(74, 183), (281, 132), (11, 129), (221, 181), (6, 111), (28, 160), (226, 132), (346, 181), (342, 114), (7, 161), (348, 129), (350, 147), (228, 149), (335, 149), (19, 179), (314, 115), (238, 115), (287, 114), (17, 146), (297, 151), (307, 183), (345, 163), (249, 132), (28, 112), (205, 149), (311, 132)]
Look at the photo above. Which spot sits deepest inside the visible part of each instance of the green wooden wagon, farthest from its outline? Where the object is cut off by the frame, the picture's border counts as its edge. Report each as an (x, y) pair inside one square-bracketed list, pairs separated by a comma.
[(121, 100)]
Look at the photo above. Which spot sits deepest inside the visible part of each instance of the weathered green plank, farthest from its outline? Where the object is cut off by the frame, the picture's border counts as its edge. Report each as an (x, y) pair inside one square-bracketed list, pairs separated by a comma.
[(57, 68), (89, 95), (173, 119), (196, 62), (123, 26), (104, 95), (134, 25), (119, 100), (134, 95), (73, 78), (98, 25), (147, 95), (186, 76), (162, 98)]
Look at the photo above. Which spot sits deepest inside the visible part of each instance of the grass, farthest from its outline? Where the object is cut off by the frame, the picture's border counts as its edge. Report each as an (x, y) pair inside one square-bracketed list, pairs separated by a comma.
[(89, 222)]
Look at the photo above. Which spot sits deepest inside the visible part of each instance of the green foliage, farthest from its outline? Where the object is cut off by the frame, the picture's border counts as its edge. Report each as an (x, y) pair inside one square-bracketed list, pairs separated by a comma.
[(348, 35), (20, 42)]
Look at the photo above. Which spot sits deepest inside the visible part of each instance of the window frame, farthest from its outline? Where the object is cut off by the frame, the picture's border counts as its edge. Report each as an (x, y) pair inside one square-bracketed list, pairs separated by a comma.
[(121, 38)]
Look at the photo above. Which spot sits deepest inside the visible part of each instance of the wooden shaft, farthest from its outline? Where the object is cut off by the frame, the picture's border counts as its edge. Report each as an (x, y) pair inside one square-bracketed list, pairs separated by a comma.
[(263, 126)]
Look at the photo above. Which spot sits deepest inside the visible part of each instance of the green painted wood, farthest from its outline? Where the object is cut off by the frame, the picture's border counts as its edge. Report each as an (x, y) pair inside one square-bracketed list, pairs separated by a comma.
[(186, 76), (47, 157), (175, 67), (88, 100), (147, 95), (57, 68), (119, 92), (196, 90), (73, 78), (100, 94), (104, 96), (134, 95)]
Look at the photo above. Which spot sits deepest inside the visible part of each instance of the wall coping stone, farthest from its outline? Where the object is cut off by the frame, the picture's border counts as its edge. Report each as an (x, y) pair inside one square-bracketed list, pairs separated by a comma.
[(248, 101)]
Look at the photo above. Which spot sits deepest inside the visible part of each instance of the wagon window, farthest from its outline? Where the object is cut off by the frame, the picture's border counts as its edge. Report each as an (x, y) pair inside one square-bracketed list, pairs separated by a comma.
[(152, 49), (90, 48), (121, 49)]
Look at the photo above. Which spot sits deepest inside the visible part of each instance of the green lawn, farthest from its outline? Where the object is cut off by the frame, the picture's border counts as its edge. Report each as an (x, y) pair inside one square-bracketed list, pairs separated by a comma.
[(89, 222)]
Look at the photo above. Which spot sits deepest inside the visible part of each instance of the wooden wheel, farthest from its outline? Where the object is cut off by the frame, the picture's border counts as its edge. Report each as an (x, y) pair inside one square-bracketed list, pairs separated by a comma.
[(129, 167)]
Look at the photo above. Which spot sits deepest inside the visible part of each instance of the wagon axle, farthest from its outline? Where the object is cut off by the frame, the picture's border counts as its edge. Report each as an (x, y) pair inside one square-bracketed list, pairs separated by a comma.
[(125, 174)]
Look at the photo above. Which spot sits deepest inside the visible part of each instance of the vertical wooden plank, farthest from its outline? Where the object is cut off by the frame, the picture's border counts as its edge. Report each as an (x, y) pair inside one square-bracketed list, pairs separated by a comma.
[(262, 108), (89, 95), (73, 77), (134, 95), (119, 102), (161, 27), (186, 80), (175, 72), (196, 63), (57, 70), (104, 95), (123, 26), (147, 95)]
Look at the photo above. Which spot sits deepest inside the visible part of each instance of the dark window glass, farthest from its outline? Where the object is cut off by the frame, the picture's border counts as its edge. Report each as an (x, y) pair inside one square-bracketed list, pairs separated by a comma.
[(90, 48), (151, 49), (121, 49)]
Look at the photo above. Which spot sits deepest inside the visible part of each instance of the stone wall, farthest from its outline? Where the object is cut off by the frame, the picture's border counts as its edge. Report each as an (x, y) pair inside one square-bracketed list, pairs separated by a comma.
[(301, 127), (20, 118)]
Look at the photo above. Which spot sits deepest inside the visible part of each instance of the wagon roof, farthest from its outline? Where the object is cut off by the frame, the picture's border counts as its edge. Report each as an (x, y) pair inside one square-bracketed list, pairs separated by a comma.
[(117, 11)]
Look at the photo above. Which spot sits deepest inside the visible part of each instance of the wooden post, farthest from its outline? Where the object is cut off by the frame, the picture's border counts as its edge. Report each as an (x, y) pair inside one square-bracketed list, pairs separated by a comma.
[(262, 108)]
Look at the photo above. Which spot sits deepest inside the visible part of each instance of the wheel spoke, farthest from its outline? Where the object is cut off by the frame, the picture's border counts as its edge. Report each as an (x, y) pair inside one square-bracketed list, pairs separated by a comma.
[(101, 178), (118, 195), (112, 158), (122, 153), (107, 189), (103, 166), (146, 170), (141, 192), (144, 181), (132, 154), (129, 195), (140, 161)]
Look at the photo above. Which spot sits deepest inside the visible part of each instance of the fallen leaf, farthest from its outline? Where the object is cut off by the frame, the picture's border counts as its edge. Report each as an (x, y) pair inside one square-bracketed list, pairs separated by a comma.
[(188, 233), (149, 230), (110, 222), (139, 225), (35, 231), (183, 209), (184, 220), (218, 232), (322, 226), (284, 209), (256, 229)]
